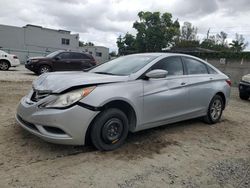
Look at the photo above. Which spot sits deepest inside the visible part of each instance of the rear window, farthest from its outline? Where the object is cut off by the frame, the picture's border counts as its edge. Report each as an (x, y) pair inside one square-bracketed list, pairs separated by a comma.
[(211, 70), (194, 66), (80, 56)]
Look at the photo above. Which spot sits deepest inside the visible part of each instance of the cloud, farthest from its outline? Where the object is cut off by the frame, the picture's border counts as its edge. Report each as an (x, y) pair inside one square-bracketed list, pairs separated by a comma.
[(102, 21)]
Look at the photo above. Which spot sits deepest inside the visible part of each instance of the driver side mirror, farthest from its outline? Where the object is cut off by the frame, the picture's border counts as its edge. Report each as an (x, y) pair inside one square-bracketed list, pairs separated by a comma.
[(157, 73)]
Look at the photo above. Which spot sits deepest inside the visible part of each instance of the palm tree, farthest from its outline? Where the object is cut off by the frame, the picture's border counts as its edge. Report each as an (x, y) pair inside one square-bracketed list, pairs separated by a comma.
[(238, 44)]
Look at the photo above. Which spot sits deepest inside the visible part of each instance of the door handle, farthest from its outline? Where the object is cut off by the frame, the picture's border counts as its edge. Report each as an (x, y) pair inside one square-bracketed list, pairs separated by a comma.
[(183, 83), (210, 78)]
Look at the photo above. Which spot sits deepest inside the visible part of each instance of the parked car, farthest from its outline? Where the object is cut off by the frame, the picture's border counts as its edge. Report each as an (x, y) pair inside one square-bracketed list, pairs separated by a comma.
[(60, 61), (244, 87), (8, 60), (127, 94)]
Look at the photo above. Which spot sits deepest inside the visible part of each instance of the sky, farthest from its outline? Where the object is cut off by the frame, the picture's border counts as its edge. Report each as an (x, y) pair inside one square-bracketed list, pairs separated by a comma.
[(102, 21)]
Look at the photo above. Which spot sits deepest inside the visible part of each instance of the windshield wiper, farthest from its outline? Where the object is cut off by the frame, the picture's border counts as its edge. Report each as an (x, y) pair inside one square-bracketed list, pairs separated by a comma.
[(108, 73)]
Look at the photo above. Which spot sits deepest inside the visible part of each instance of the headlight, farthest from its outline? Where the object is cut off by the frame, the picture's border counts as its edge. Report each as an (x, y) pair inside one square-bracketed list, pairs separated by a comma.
[(246, 78), (68, 99)]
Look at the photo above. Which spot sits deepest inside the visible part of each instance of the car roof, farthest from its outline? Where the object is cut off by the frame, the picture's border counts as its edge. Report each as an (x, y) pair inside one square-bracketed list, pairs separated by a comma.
[(163, 54)]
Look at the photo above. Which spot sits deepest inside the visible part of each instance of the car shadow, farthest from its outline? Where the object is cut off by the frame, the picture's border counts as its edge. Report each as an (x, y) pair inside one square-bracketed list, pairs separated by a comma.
[(10, 70), (141, 144), (30, 73)]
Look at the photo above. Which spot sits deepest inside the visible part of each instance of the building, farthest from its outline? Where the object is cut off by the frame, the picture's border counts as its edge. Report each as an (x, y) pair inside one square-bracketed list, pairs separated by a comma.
[(32, 40), (100, 53)]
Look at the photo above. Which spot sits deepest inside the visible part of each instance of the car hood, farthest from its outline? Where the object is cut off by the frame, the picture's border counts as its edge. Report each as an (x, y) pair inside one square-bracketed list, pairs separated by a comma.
[(60, 81), (40, 57), (246, 78)]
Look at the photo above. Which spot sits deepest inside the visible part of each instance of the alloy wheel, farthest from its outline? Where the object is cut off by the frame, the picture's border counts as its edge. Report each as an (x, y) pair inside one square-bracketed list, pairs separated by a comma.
[(216, 109), (4, 66)]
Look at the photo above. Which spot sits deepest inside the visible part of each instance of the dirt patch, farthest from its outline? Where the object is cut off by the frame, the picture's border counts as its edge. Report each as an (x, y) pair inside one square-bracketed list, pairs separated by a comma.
[(185, 154)]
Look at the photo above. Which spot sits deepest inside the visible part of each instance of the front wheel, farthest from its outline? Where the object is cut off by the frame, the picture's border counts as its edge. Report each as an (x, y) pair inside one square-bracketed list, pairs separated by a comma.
[(109, 130), (215, 110), (44, 69), (244, 96), (4, 65)]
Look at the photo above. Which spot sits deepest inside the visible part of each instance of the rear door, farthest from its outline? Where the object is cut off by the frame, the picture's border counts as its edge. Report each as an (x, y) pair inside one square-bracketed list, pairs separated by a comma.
[(199, 84), (165, 98), (76, 61), (85, 61)]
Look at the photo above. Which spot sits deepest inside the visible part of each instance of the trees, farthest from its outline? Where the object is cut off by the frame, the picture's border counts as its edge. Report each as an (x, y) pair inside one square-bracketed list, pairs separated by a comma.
[(188, 32), (216, 42), (155, 31), (221, 38), (238, 44), (81, 44), (187, 37), (126, 44)]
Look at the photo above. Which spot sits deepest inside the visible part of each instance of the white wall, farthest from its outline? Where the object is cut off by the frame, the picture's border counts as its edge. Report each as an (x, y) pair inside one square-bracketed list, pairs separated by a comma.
[(94, 50), (11, 37), (37, 38), (31, 41)]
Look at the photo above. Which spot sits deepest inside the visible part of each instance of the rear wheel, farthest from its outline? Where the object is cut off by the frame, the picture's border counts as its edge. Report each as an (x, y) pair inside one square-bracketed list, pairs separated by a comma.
[(215, 110), (244, 96), (44, 69), (109, 130), (4, 65)]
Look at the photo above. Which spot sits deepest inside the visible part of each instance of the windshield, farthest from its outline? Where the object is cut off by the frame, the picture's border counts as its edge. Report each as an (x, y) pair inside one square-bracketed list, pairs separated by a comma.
[(53, 54), (124, 65)]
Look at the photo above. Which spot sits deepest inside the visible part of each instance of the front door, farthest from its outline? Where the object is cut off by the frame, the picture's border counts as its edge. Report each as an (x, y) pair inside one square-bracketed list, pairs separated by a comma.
[(62, 62), (165, 98)]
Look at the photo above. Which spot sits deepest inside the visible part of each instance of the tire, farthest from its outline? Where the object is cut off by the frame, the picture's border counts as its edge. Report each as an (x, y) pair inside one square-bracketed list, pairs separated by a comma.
[(215, 110), (4, 65), (109, 130), (244, 96), (43, 69)]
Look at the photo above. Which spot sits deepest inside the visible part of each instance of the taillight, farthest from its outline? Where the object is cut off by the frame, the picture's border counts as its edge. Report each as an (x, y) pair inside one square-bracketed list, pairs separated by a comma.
[(15, 57), (229, 82), (93, 62)]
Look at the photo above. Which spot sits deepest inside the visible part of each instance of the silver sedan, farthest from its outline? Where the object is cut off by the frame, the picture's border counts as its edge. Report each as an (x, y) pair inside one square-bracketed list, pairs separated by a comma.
[(128, 94)]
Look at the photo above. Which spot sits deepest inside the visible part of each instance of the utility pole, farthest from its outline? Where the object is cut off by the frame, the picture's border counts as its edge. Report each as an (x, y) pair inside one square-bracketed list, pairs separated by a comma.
[(208, 31)]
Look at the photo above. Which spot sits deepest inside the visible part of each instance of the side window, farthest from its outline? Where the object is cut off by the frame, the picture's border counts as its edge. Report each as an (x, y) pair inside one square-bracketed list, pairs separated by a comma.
[(64, 55), (211, 70), (171, 64), (83, 56), (195, 66), (76, 56)]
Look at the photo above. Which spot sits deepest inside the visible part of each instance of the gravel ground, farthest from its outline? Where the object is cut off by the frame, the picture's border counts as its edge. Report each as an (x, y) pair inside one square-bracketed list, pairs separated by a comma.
[(17, 74), (187, 154)]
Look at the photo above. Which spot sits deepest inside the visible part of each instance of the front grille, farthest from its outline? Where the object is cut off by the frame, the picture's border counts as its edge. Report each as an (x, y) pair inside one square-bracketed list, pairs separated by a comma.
[(38, 95), (27, 124)]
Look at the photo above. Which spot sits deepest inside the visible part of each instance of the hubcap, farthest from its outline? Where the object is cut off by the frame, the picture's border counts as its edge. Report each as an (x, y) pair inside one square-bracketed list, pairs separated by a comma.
[(216, 109), (112, 130), (44, 69), (3, 66)]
